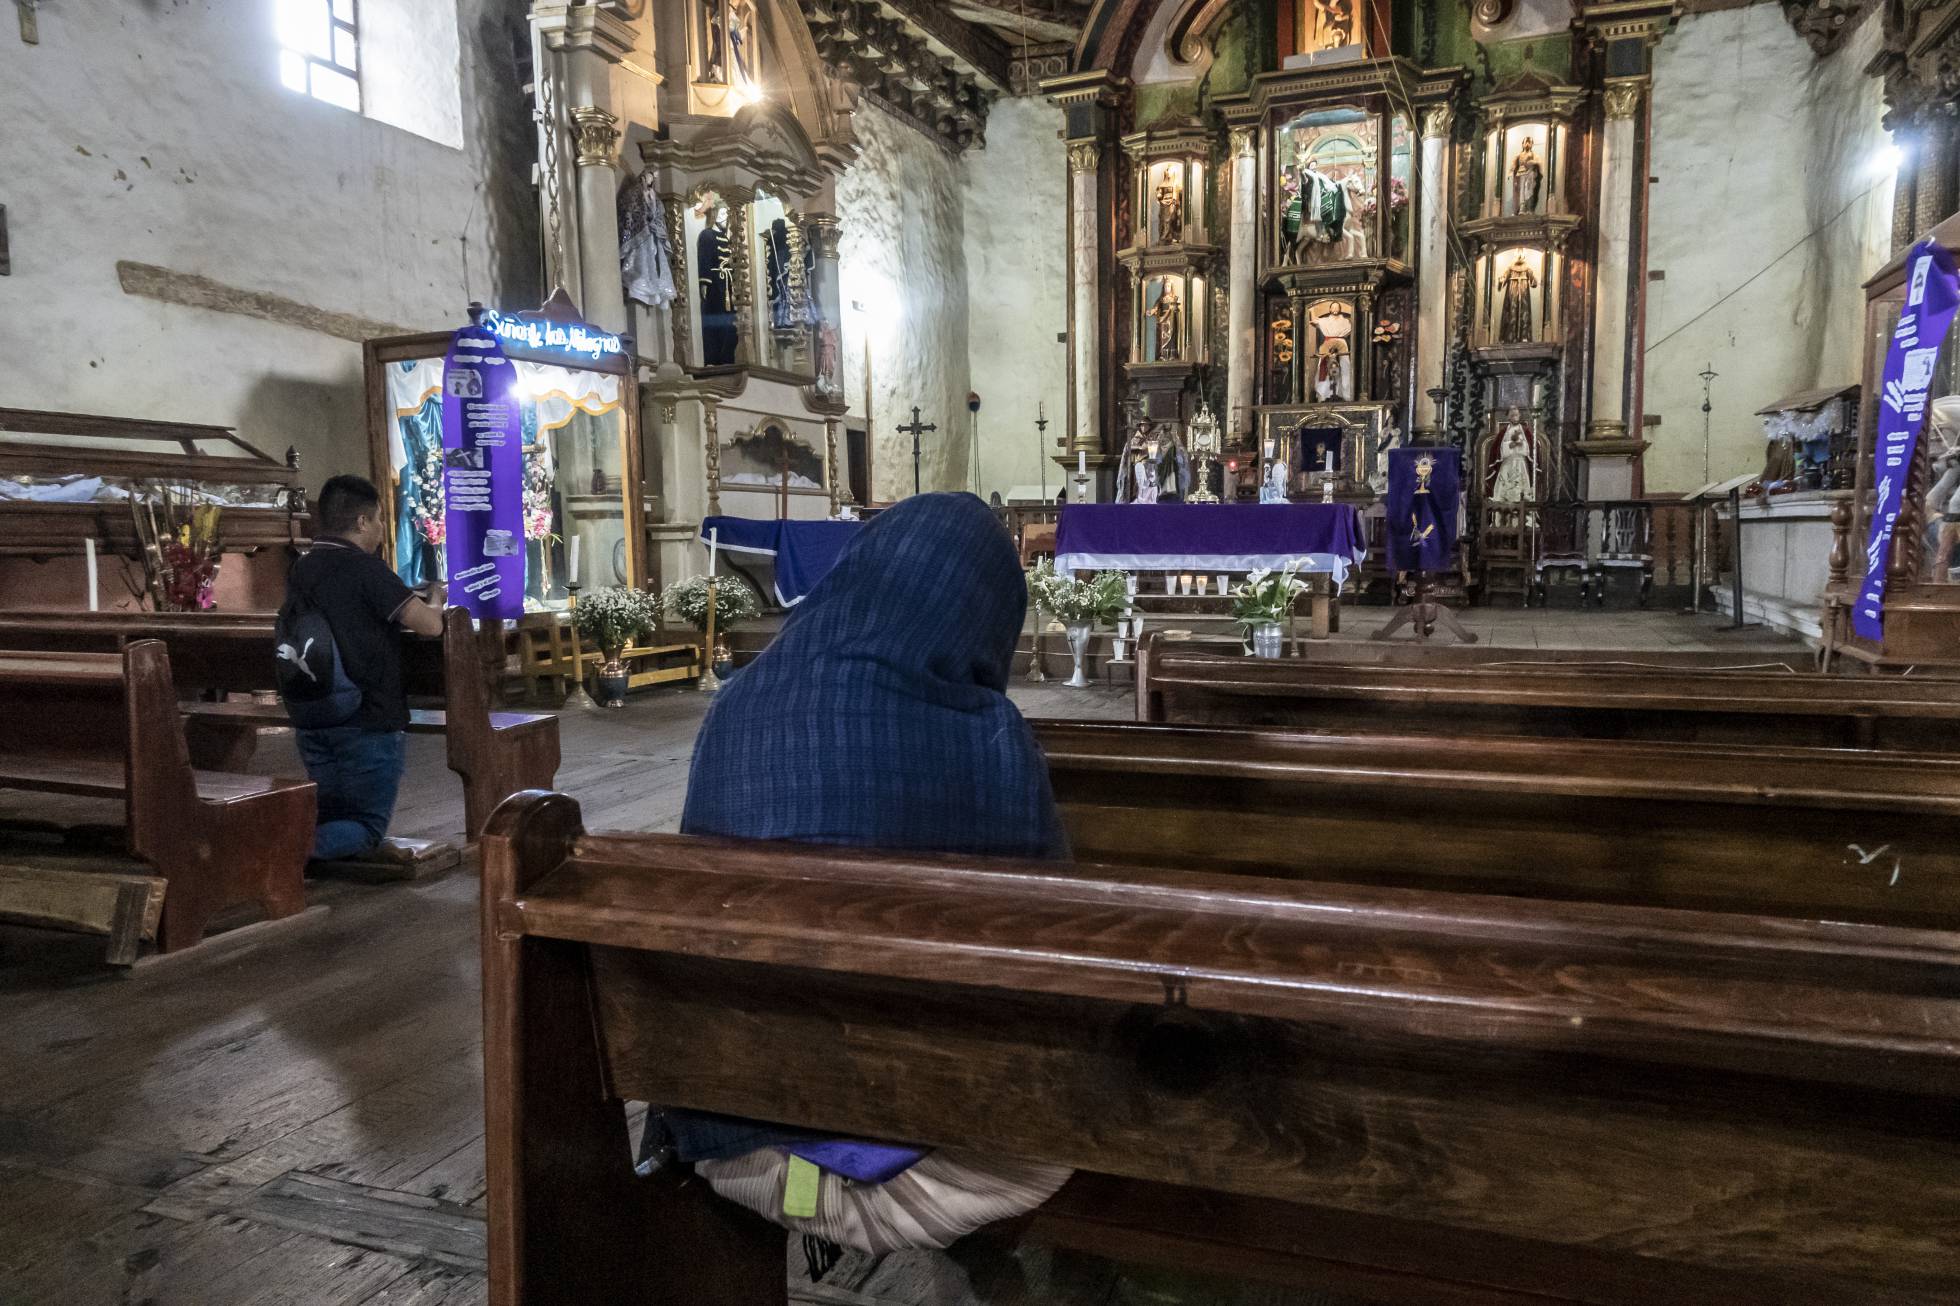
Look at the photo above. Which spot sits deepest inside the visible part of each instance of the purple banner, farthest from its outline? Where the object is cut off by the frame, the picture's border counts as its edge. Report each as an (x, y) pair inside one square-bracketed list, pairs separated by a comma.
[(482, 478), (1932, 293)]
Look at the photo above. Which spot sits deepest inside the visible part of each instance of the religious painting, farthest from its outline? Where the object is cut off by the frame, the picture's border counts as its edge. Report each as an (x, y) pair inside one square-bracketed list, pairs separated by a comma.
[(1324, 25), (1523, 173), (1163, 320), (1401, 184), (1165, 212), (1327, 187), (1332, 324), (762, 458)]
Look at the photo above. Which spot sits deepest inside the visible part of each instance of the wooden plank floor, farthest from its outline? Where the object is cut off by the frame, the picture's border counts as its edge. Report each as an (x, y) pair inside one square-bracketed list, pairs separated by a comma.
[(299, 1120)]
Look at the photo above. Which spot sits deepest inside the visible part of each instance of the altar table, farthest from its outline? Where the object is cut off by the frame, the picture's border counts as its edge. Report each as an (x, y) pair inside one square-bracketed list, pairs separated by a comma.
[(1204, 538), (803, 551)]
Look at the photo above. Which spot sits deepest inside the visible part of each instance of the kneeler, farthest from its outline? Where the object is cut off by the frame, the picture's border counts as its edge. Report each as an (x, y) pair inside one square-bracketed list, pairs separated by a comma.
[(1422, 496)]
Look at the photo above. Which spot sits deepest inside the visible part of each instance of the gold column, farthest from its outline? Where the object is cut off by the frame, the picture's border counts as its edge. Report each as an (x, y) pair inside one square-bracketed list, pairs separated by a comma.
[(836, 473), (741, 237), (711, 421), (674, 208)]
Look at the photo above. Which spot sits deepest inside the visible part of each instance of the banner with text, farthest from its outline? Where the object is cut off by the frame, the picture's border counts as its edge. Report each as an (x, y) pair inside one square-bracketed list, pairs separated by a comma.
[(1932, 293), (483, 477)]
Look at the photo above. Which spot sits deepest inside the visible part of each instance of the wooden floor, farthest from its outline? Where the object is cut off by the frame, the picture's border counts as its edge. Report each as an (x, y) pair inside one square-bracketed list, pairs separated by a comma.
[(296, 1117)]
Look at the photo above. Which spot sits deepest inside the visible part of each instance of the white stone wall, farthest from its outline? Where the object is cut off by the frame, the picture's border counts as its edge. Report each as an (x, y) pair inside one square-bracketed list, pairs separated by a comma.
[(901, 258), (1016, 195), (1758, 144), (160, 134)]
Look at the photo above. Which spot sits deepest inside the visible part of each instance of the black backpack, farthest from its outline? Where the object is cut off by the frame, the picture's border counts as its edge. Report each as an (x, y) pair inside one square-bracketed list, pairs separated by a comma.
[(312, 682)]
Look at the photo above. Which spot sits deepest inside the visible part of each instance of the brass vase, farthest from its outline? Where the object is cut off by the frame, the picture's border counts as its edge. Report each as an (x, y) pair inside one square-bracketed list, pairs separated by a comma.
[(612, 679)]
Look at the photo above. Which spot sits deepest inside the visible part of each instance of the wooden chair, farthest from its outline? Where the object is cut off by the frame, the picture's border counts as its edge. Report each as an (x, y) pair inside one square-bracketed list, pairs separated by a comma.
[(1414, 1097), (216, 841)]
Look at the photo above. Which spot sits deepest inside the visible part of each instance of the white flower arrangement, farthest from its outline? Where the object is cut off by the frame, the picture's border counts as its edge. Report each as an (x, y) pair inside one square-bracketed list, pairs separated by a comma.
[(735, 602), (1267, 596), (1078, 602), (615, 617)]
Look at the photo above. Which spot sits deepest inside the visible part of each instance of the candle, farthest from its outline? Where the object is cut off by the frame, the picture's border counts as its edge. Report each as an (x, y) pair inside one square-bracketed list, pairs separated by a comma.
[(1224, 584), (714, 539), (1041, 410), (1204, 584), (1327, 461), (88, 547), (1081, 462), (572, 569), (1184, 583)]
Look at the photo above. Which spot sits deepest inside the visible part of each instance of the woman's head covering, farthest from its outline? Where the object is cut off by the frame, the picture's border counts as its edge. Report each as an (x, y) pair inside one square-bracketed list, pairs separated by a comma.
[(878, 717)]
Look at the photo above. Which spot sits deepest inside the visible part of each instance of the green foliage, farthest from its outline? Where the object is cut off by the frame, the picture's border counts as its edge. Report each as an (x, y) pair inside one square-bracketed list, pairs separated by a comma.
[(1078, 602), (735, 602), (616, 617), (1268, 596)]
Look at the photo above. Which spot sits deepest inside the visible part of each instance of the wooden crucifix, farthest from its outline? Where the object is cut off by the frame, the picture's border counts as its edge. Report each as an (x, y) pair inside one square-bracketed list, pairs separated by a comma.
[(915, 430)]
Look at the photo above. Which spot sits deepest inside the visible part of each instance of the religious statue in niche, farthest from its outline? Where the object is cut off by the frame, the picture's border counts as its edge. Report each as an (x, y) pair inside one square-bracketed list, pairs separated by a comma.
[(1515, 287), (1527, 180), (1942, 502), (711, 43), (1517, 471), (1272, 486), (1169, 314), (1333, 324), (715, 281), (1327, 188), (1327, 25), (741, 42), (1154, 468), (1170, 210)]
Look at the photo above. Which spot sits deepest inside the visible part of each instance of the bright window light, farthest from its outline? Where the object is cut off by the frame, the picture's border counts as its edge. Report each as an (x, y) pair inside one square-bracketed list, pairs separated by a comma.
[(319, 50)]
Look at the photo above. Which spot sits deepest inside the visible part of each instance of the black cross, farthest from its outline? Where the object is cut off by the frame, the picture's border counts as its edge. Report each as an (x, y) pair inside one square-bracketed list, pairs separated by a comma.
[(915, 431)]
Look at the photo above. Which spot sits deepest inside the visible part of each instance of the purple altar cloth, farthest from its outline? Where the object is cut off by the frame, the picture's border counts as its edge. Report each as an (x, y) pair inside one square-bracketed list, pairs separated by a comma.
[(804, 551), (1210, 537)]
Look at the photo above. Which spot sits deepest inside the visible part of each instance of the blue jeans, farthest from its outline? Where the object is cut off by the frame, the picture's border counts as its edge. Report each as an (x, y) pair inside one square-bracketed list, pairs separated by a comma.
[(358, 773)]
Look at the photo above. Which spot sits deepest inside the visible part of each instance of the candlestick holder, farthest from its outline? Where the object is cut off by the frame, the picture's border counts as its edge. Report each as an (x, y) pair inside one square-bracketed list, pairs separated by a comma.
[(1081, 488)]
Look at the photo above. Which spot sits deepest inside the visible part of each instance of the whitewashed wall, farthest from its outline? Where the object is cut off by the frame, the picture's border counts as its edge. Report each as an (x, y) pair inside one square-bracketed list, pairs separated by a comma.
[(159, 134), (901, 257), (1016, 194), (1758, 144)]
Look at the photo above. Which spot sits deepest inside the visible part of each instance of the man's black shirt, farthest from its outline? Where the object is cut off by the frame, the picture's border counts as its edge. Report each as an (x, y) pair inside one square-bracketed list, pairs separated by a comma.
[(362, 600)]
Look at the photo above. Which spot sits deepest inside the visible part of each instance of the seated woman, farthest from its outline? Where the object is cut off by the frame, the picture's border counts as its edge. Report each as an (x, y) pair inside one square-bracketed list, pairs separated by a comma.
[(878, 719)]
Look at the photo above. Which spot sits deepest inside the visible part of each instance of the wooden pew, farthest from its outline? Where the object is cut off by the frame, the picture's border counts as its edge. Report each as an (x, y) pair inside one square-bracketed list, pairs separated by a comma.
[(495, 753), (1412, 1097), (1180, 686), (1844, 833), (107, 726)]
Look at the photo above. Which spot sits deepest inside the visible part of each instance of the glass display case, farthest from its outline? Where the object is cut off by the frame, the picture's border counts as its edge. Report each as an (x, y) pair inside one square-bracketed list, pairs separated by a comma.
[(582, 463)]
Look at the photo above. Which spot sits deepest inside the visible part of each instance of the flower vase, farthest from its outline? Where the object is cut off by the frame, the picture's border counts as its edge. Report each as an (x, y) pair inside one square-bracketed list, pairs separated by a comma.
[(1268, 639), (724, 659), (1078, 644), (612, 679)]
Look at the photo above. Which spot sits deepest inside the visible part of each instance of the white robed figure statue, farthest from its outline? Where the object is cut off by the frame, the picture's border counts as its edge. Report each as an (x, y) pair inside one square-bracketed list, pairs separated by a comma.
[(1517, 466)]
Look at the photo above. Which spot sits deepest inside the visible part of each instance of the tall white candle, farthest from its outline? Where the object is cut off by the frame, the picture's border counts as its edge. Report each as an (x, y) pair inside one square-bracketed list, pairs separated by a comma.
[(1081, 462), (572, 569), (1327, 462), (88, 547), (714, 541)]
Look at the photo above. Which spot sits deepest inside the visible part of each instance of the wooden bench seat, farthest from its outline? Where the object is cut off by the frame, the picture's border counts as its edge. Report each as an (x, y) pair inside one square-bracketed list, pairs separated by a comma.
[(107, 726), (495, 753), (1852, 834), (1182, 686), (1426, 1097)]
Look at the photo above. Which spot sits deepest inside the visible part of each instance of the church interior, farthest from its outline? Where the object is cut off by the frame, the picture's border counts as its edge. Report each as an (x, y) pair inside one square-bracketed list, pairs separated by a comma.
[(1433, 522)]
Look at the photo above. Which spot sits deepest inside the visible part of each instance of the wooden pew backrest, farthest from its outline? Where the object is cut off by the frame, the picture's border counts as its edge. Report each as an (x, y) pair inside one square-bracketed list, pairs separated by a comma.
[(1697, 1108)]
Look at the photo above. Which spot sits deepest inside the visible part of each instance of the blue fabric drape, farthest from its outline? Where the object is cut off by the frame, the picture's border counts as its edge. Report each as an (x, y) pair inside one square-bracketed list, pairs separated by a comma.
[(878, 718), (421, 431)]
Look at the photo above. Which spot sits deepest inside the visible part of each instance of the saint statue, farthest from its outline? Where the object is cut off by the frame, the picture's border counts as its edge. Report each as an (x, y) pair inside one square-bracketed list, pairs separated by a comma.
[(1169, 313), (1336, 23), (1316, 209), (711, 65), (1514, 327), (1527, 180), (1334, 366), (716, 284), (1515, 481), (1273, 488), (1170, 213), (741, 41)]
